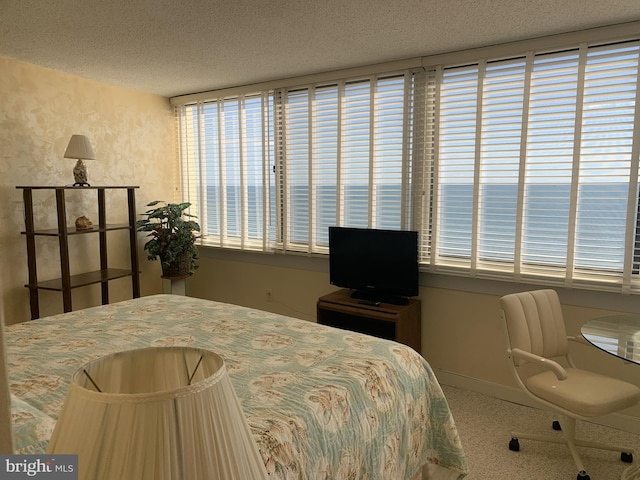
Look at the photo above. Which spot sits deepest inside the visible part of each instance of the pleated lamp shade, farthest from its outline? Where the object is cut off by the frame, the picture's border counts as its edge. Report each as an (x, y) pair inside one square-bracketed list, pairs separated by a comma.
[(161, 413), (80, 148)]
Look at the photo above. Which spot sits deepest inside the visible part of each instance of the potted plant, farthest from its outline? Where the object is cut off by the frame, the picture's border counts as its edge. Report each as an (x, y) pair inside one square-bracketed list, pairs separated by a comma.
[(172, 237)]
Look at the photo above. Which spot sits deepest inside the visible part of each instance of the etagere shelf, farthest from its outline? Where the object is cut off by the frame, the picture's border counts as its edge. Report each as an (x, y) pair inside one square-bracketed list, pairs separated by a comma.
[(67, 282)]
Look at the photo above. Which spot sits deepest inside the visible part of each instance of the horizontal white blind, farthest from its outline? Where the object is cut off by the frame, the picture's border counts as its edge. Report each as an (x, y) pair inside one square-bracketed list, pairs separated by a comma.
[(424, 175), (226, 159), (549, 174), (522, 168), (345, 157), (535, 166), (456, 163), (500, 152), (606, 161)]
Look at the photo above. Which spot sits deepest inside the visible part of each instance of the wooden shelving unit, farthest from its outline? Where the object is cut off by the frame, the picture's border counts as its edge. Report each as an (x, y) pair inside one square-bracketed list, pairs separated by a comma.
[(66, 282), (401, 323)]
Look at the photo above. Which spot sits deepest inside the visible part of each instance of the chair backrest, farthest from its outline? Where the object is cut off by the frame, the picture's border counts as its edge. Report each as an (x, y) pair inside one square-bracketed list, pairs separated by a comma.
[(535, 323)]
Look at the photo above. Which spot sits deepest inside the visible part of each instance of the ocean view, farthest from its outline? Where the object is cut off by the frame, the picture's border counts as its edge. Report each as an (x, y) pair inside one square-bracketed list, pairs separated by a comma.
[(599, 227)]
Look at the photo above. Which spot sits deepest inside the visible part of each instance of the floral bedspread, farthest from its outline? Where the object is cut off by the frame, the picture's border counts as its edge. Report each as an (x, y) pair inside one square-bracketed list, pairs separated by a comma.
[(322, 403)]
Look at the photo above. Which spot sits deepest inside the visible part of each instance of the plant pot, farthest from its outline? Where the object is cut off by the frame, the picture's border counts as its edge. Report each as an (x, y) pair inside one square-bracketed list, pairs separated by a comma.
[(179, 268)]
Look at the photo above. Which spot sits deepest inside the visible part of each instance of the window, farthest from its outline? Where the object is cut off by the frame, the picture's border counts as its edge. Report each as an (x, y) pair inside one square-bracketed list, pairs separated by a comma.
[(536, 165), (340, 155), (345, 148), (227, 153), (522, 168)]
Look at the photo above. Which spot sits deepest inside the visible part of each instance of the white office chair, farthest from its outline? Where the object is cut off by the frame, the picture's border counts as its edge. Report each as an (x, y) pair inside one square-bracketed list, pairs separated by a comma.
[(536, 334)]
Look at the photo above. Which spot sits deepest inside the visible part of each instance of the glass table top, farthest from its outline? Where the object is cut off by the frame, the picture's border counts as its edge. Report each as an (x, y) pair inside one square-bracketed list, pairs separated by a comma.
[(618, 335)]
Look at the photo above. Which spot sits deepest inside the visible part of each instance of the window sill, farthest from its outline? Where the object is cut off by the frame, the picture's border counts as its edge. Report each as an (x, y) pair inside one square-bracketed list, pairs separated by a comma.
[(320, 263)]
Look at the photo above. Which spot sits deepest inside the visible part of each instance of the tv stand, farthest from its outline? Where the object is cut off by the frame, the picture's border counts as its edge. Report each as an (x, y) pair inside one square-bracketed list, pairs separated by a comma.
[(379, 297), (401, 323)]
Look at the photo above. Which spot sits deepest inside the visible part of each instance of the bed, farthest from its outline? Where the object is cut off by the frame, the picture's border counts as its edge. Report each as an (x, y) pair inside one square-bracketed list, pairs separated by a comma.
[(322, 403)]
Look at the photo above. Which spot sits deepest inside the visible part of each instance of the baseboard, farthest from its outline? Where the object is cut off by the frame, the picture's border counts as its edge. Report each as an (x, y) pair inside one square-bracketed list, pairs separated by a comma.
[(620, 421)]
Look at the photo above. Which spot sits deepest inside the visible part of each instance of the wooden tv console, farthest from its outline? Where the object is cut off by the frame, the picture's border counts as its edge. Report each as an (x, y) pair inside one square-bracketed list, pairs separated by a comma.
[(401, 323)]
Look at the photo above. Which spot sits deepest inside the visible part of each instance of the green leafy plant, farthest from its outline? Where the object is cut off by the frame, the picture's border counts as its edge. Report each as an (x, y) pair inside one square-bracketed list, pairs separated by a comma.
[(172, 235)]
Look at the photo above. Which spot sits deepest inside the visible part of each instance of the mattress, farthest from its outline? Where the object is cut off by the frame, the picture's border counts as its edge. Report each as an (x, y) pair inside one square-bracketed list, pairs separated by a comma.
[(322, 403)]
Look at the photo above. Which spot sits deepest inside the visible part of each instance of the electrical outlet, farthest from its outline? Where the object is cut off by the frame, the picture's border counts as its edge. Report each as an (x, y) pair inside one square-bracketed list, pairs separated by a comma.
[(269, 296)]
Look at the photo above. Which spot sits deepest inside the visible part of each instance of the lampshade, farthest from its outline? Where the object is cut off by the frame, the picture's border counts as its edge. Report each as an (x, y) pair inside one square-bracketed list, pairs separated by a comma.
[(158, 414), (80, 148)]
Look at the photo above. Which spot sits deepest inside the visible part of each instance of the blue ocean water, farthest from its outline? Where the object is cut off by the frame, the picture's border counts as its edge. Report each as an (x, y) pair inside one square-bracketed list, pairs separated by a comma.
[(599, 230), (355, 207)]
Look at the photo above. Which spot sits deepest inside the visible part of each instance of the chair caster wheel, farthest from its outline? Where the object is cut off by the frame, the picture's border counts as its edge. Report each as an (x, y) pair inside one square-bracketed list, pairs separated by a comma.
[(582, 475), (556, 425), (626, 457), (514, 445)]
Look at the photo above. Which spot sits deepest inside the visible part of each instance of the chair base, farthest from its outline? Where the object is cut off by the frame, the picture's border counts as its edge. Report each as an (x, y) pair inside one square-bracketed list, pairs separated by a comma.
[(571, 442), (577, 442)]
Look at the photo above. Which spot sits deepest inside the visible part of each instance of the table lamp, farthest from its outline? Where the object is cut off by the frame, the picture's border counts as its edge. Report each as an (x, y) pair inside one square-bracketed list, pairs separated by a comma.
[(159, 413), (80, 148)]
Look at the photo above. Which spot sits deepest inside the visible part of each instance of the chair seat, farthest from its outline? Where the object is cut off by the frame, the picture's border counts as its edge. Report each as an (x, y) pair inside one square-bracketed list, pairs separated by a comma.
[(585, 393)]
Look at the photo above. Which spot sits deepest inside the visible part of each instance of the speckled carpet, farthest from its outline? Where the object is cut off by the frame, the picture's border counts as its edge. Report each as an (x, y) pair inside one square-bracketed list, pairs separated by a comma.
[(485, 423)]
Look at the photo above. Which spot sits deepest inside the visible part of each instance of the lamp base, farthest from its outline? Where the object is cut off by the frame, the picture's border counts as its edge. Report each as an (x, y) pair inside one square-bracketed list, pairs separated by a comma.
[(80, 174)]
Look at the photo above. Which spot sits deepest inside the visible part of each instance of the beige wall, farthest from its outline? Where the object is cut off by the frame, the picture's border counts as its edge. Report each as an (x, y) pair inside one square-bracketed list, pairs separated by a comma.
[(132, 134), (462, 334), (294, 291)]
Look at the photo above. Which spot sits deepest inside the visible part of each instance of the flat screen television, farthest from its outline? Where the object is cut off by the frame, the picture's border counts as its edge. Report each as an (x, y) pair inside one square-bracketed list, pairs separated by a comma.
[(378, 265)]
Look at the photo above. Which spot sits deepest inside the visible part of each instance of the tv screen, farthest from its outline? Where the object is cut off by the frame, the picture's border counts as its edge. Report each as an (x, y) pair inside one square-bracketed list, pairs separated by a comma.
[(379, 265)]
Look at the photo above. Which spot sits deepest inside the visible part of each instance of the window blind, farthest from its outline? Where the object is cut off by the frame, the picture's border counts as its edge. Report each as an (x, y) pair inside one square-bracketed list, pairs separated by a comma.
[(520, 168), (537, 166), (345, 158), (227, 151), (276, 169)]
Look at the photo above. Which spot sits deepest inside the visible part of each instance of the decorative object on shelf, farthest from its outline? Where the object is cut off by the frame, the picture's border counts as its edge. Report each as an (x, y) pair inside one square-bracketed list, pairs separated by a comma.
[(83, 223), (172, 238), (80, 148), (157, 413)]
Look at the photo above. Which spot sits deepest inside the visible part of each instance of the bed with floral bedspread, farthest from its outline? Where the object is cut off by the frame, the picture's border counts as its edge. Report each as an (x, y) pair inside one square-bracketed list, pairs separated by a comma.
[(322, 403)]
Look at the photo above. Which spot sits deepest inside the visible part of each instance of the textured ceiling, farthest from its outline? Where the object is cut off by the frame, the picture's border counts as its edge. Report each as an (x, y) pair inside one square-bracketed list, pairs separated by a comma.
[(170, 47)]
